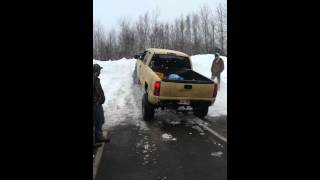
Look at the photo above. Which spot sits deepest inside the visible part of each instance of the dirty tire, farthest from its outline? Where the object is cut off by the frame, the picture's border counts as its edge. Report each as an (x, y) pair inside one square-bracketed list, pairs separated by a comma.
[(147, 109), (200, 111)]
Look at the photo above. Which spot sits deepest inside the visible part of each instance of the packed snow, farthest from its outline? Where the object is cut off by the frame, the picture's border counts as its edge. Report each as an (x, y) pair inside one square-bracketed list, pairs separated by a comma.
[(217, 154), (146, 149), (123, 98), (196, 127), (168, 137)]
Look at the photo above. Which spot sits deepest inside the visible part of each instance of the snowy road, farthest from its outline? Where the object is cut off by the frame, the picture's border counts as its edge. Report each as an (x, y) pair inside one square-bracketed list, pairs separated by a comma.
[(176, 150), (173, 146)]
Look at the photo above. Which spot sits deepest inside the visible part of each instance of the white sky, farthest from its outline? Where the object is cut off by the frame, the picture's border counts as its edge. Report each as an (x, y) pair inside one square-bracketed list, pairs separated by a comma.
[(109, 12)]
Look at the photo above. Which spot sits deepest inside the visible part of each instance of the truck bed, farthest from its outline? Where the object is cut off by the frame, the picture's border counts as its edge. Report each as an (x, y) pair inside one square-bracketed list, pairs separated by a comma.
[(188, 75), (194, 86)]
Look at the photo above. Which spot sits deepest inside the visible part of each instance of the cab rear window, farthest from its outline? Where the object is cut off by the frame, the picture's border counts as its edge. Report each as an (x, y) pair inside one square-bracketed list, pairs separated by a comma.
[(165, 62)]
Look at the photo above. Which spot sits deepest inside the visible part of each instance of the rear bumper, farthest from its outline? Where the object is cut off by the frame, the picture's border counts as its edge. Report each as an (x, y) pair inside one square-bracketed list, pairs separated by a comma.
[(163, 101)]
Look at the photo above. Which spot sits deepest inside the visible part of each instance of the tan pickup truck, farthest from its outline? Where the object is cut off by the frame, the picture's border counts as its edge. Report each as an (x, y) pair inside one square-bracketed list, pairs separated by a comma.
[(169, 82)]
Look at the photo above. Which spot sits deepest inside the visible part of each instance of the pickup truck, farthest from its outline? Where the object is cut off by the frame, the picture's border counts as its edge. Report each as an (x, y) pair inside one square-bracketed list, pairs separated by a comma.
[(169, 82)]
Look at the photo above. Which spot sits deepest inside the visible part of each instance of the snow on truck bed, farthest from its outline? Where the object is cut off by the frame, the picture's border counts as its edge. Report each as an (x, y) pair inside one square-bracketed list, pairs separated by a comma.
[(117, 83)]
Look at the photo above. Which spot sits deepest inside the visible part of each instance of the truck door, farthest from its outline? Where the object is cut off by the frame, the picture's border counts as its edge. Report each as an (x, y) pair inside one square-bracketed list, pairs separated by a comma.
[(139, 63), (142, 66)]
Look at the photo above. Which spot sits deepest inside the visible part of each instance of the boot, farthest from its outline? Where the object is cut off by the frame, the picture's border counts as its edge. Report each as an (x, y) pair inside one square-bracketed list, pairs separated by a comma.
[(97, 145), (103, 139)]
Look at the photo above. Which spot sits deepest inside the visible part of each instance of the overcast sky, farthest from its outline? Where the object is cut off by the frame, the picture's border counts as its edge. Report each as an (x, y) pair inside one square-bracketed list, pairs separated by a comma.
[(109, 12)]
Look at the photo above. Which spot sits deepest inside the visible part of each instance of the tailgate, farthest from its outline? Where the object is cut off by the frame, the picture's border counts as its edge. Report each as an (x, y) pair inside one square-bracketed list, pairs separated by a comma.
[(186, 90)]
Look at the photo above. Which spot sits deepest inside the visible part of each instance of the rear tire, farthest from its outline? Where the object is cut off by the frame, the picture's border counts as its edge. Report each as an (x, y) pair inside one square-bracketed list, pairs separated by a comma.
[(200, 111), (147, 109)]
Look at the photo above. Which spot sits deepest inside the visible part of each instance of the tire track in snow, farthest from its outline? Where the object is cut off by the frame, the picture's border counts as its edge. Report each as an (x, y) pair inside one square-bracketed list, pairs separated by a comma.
[(204, 126), (126, 109)]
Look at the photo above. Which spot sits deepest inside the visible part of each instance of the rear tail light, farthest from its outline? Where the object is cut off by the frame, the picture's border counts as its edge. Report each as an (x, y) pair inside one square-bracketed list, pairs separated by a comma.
[(215, 90), (157, 86)]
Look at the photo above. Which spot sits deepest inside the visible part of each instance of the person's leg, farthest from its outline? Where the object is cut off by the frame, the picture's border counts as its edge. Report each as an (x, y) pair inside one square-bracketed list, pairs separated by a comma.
[(212, 76), (94, 124), (101, 115), (100, 119), (218, 77), (98, 130), (95, 144), (94, 139)]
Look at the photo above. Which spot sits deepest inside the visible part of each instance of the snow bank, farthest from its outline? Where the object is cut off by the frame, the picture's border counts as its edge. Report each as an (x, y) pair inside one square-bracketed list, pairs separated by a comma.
[(168, 137), (217, 154), (116, 81)]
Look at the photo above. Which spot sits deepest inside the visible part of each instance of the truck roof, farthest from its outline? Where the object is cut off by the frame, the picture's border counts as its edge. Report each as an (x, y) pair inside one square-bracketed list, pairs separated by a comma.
[(167, 51)]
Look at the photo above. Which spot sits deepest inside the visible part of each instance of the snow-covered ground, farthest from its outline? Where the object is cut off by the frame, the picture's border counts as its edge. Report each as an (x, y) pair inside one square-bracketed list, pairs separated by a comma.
[(122, 96)]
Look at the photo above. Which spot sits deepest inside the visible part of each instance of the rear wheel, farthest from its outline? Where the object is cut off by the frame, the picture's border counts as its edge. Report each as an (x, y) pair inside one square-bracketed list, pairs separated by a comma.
[(200, 111), (147, 109)]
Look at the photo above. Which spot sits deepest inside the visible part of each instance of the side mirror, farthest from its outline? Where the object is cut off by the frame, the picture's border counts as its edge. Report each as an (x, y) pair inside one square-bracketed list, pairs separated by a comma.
[(137, 56)]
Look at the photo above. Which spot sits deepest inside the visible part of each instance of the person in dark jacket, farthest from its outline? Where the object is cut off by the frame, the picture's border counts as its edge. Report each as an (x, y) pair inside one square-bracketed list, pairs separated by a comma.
[(217, 67), (98, 100)]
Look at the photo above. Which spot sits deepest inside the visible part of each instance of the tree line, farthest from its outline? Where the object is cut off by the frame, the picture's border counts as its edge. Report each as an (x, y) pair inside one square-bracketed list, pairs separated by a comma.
[(204, 31)]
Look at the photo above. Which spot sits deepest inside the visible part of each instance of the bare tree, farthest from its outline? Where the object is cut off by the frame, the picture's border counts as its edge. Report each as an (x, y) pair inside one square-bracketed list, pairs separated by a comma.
[(143, 30), (154, 36), (140, 34), (172, 37), (126, 39), (222, 25), (204, 16), (111, 44), (181, 34), (161, 36), (99, 41), (188, 45), (146, 29), (212, 36), (176, 35), (195, 34)]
